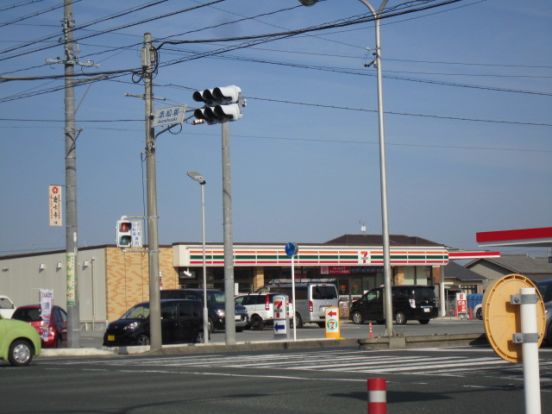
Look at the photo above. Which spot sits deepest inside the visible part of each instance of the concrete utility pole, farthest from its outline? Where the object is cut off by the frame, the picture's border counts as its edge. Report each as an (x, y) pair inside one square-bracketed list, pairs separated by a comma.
[(229, 305), (149, 60), (73, 318)]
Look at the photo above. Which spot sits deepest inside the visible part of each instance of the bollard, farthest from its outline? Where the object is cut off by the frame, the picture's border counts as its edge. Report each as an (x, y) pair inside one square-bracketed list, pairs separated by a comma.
[(377, 396), (370, 330)]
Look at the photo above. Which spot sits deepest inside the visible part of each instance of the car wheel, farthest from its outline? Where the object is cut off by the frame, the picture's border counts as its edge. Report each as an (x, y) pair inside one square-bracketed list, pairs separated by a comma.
[(479, 314), (143, 340), (257, 322), (20, 353), (298, 320), (400, 318), (357, 318), (424, 321)]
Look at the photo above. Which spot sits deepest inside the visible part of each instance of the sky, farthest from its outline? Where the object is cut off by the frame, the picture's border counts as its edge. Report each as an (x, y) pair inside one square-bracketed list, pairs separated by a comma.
[(467, 98)]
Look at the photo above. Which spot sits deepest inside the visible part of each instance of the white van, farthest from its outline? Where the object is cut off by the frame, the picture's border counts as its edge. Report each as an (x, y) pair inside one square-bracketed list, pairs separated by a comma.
[(311, 300)]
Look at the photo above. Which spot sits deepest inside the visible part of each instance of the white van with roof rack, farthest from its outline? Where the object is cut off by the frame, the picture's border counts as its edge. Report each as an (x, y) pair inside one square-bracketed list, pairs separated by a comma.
[(312, 297)]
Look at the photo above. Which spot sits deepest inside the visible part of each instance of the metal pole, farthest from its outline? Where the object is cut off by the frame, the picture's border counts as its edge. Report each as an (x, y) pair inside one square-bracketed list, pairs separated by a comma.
[(73, 318), (443, 311), (387, 300), (92, 261), (530, 351), (205, 309), (148, 58), (293, 296), (230, 323)]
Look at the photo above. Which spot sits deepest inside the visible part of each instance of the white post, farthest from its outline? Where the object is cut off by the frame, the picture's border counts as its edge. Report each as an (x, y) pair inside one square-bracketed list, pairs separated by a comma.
[(530, 351), (293, 295)]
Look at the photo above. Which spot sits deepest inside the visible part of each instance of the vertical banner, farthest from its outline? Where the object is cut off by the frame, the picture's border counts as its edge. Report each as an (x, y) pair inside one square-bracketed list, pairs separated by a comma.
[(46, 298), (136, 232), (70, 265), (55, 205)]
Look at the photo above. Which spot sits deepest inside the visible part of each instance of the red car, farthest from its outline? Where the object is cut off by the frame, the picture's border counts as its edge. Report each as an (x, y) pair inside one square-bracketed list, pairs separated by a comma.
[(56, 330)]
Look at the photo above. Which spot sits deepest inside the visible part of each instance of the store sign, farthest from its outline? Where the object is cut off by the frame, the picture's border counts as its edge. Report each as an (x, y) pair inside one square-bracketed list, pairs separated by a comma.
[(55, 205)]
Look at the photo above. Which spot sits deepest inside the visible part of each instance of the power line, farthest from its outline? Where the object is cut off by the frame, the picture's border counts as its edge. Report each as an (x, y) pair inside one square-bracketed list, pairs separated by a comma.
[(125, 26), (16, 5), (35, 14)]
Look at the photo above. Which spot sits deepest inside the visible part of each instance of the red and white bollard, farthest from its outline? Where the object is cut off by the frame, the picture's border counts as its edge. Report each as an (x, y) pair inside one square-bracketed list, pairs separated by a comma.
[(370, 330), (377, 396)]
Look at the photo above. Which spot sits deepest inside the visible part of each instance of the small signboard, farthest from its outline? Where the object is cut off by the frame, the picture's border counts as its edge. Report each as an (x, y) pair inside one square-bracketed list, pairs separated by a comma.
[(280, 308), (55, 205), (332, 322), (169, 116), (137, 234)]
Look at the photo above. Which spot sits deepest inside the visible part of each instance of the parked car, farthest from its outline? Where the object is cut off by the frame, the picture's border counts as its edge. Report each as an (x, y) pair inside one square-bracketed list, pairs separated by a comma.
[(53, 335), (19, 342), (545, 288), (409, 303), (259, 307), (7, 307), (215, 306), (311, 300), (181, 321)]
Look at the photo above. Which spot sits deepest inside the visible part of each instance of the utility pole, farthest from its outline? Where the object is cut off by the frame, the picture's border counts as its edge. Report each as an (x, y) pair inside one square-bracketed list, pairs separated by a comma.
[(229, 305), (149, 60), (73, 318)]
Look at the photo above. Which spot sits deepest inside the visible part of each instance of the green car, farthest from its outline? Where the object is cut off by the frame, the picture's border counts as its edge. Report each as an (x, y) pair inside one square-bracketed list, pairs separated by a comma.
[(19, 342)]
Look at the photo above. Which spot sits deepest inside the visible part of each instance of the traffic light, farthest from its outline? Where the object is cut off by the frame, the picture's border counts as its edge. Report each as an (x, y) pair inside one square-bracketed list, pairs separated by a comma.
[(222, 104), (124, 232)]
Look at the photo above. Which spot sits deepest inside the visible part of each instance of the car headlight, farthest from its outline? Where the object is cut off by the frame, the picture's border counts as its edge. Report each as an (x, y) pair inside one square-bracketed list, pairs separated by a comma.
[(131, 326), (220, 313)]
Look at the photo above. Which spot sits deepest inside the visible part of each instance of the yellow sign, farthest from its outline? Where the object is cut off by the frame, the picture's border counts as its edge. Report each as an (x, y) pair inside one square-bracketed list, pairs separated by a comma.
[(502, 318), (332, 322)]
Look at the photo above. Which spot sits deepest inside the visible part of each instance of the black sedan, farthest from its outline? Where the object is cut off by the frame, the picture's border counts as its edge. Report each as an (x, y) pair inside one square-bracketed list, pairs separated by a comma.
[(181, 321)]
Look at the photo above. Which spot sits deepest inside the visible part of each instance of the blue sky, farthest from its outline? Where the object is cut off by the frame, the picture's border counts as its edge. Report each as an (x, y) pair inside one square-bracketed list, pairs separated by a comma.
[(467, 100)]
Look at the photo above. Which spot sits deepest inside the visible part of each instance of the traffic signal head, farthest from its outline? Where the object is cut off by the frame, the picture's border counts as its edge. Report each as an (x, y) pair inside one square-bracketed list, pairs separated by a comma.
[(124, 233), (222, 104)]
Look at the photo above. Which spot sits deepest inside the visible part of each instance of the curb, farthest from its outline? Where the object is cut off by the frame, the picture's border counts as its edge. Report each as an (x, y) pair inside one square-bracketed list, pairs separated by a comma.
[(404, 342), (394, 342)]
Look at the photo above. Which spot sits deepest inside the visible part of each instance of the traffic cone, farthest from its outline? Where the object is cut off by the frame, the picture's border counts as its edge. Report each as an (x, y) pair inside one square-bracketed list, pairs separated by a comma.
[(370, 330)]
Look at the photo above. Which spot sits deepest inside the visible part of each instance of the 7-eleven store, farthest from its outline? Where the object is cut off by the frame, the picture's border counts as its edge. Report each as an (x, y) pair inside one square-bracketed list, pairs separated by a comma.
[(354, 269)]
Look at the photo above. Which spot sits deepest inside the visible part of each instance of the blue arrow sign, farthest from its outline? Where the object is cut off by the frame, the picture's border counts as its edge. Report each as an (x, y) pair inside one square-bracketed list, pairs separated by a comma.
[(291, 249), (278, 327)]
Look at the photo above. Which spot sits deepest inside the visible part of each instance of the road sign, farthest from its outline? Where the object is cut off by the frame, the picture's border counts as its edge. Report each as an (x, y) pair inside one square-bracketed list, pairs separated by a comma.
[(55, 205), (279, 306), (332, 322), (291, 249), (169, 116), (502, 318)]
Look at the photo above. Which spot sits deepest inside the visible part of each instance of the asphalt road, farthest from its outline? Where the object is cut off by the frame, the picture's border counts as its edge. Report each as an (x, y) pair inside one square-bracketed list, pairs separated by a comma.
[(460, 380)]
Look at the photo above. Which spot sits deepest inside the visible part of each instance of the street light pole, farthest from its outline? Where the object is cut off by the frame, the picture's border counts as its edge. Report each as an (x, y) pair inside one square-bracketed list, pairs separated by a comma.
[(201, 180), (388, 306)]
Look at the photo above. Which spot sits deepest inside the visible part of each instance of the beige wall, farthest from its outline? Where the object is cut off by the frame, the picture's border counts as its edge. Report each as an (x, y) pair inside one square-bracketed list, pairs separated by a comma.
[(128, 277)]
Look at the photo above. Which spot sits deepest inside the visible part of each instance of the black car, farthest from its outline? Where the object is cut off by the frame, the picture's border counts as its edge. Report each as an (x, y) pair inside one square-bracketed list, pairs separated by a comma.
[(215, 306), (545, 288), (181, 321), (409, 303)]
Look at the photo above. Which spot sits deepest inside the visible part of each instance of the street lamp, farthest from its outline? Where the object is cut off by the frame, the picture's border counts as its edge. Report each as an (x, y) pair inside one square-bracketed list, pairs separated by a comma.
[(388, 309), (201, 180)]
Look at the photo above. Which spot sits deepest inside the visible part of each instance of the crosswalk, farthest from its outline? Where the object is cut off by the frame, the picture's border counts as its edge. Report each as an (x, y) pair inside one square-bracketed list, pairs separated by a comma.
[(421, 362)]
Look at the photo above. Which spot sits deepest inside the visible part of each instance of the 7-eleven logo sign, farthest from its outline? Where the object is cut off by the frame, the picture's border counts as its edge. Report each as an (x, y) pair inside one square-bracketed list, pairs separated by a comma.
[(364, 257)]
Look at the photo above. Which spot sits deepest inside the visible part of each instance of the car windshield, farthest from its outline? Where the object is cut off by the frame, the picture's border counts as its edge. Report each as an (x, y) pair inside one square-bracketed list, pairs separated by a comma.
[(421, 294), (27, 314), (546, 291), (137, 312), (215, 298)]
